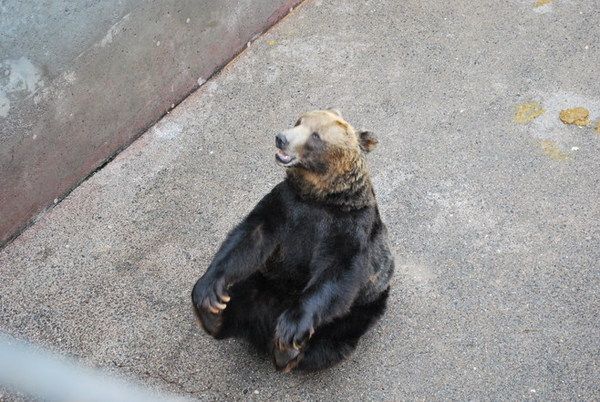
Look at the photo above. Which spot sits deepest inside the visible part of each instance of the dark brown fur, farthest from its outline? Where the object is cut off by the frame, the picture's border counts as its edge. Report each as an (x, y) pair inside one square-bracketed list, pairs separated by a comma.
[(307, 272)]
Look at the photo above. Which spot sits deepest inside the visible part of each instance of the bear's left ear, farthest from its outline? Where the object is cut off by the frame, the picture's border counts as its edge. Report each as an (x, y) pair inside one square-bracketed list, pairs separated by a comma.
[(368, 141)]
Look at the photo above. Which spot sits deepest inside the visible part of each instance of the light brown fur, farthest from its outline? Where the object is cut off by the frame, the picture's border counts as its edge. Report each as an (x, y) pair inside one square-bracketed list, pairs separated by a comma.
[(332, 168), (331, 127)]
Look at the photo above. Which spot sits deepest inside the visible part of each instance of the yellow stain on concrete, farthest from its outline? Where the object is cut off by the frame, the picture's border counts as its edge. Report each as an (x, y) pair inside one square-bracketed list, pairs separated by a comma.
[(578, 116), (553, 152), (598, 127), (527, 112), (271, 42), (540, 3)]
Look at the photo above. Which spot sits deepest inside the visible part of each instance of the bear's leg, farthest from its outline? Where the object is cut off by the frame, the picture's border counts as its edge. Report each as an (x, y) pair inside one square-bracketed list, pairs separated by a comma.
[(251, 313), (335, 341)]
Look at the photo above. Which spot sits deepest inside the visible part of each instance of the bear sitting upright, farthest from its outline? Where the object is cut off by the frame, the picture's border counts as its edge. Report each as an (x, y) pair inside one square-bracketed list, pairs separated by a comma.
[(307, 272)]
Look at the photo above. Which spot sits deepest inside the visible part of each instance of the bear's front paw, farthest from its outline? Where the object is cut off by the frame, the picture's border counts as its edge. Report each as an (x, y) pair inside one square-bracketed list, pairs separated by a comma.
[(210, 295), (294, 329), (210, 299)]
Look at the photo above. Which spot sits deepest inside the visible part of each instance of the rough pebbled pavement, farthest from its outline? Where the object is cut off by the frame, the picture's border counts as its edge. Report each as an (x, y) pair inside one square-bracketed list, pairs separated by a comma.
[(496, 225)]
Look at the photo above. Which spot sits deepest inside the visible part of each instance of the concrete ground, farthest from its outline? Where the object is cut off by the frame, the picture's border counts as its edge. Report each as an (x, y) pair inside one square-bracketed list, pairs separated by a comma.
[(495, 224)]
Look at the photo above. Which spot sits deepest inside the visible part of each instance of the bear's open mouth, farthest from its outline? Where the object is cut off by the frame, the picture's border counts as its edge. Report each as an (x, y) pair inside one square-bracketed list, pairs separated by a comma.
[(284, 158)]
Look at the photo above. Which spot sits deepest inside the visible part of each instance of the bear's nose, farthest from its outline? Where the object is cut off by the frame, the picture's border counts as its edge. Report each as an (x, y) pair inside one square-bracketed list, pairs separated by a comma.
[(280, 141)]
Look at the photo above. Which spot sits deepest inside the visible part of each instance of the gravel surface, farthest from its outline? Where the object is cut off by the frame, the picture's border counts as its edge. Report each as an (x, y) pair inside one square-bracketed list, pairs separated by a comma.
[(495, 224)]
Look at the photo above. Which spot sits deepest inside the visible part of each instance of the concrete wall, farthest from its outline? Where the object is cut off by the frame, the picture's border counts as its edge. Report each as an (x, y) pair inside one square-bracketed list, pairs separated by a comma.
[(80, 79)]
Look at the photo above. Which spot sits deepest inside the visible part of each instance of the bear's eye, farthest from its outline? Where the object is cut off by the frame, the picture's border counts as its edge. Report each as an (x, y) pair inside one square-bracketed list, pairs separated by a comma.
[(297, 123), (315, 136)]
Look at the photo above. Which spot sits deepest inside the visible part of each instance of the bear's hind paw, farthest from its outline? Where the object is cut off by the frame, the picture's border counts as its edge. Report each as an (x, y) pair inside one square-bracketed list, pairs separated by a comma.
[(286, 359)]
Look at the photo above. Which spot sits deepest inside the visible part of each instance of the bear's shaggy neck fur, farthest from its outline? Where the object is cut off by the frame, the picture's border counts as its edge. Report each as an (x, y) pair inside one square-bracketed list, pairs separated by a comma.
[(345, 182)]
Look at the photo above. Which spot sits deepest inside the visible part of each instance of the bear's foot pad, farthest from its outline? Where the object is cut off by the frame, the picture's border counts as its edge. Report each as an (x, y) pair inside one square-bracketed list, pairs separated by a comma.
[(287, 359), (211, 323)]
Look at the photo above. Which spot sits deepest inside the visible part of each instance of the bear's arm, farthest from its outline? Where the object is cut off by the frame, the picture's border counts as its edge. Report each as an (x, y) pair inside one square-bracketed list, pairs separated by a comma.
[(244, 250), (338, 274)]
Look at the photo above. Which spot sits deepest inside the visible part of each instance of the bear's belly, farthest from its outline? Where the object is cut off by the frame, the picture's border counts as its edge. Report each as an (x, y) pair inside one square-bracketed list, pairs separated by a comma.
[(288, 271), (287, 279)]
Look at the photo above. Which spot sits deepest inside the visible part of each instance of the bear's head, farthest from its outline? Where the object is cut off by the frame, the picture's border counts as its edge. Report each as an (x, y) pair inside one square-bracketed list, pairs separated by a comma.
[(322, 140), (325, 156)]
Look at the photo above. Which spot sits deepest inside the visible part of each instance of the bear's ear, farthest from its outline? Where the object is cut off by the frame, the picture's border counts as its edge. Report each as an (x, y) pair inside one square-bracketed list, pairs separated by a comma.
[(368, 141), (335, 111)]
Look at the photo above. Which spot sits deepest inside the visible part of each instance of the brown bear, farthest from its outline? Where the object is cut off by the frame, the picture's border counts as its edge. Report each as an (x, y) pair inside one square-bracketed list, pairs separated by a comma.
[(307, 272)]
